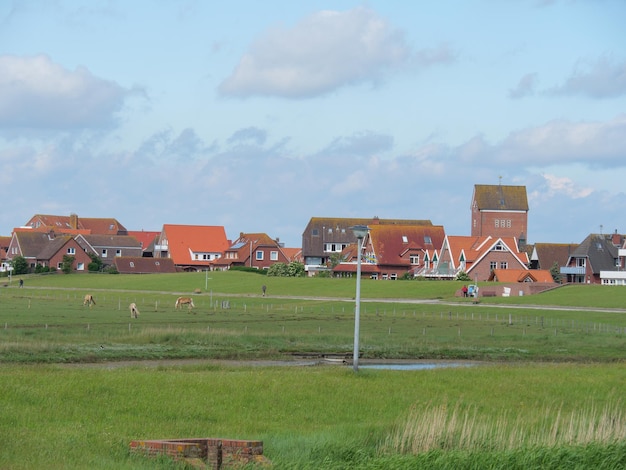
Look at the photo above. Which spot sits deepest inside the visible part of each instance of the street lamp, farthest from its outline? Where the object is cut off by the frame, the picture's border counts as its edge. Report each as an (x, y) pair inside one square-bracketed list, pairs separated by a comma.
[(360, 232)]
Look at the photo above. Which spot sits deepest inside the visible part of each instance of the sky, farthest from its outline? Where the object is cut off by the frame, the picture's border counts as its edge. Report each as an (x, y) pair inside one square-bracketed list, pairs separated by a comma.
[(258, 116)]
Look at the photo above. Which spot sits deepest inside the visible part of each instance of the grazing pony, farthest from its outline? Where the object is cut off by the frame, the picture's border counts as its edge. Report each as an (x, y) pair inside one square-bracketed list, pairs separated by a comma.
[(89, 300), (134, 311), (184, 301)]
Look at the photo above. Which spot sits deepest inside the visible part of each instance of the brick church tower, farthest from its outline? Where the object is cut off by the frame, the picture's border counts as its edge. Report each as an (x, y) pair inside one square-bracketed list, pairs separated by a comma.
[(500, 211)]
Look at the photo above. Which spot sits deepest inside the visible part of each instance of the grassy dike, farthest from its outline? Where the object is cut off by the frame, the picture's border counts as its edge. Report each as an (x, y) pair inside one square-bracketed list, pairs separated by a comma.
[(548, 394)]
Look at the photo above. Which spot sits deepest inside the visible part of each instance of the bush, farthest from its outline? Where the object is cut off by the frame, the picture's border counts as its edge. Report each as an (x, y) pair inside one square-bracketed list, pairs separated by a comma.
[(248, 269)]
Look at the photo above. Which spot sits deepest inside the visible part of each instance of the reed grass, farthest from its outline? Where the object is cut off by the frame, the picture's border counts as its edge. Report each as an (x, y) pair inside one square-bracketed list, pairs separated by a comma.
[(441, 427)]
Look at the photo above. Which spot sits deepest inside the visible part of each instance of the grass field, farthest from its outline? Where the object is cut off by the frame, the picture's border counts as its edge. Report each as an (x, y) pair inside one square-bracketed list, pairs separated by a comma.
[(548, 392)]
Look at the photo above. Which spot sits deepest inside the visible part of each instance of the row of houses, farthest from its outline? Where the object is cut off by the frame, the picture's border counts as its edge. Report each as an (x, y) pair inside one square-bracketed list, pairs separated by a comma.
[(393, 248)]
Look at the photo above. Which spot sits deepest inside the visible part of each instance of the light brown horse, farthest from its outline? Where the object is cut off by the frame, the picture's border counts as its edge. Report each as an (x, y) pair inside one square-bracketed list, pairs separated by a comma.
[(89, 300), (184, 301), (134, 311)]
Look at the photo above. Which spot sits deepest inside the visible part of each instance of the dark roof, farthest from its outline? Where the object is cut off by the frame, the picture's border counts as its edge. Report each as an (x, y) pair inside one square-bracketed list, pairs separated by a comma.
[(499, 197), (600, 252), (139, 265), (549, 253), (112, 241)]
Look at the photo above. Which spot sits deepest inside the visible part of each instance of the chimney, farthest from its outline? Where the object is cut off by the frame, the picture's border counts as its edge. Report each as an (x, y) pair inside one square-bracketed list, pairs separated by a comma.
[(617, 239), (74, 221)]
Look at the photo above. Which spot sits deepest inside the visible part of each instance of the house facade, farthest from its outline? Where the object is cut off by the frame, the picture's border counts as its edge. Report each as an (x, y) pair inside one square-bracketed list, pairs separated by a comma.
[(500, 211), (191, 247), (325, 237), (109, 247), (391, 251), (47, 250), (477, 256), (595, 258), (253, 250)]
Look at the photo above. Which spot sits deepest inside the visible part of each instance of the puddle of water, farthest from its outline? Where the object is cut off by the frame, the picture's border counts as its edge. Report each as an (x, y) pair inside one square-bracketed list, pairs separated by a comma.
[(416, 366)]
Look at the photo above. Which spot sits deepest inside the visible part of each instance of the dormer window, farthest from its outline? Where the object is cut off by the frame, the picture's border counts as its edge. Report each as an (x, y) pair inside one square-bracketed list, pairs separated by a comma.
[(427, 239), (405, 239)]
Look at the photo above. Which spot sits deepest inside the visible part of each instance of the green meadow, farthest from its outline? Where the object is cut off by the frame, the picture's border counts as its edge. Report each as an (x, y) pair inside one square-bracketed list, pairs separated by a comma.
[(541, 384)]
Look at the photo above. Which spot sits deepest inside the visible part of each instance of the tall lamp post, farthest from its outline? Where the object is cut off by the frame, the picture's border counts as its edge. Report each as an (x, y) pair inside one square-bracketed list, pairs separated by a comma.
[(360, 231)]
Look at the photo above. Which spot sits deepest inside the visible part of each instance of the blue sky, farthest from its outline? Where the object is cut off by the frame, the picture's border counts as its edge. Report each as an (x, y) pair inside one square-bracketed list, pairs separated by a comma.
[(260, 115)]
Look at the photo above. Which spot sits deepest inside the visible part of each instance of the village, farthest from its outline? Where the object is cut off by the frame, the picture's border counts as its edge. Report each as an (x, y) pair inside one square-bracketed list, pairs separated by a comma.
[(496, 249)]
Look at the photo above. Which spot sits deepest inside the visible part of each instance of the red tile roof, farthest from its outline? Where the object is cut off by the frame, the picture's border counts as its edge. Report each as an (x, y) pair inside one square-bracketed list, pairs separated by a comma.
[(185, 240)]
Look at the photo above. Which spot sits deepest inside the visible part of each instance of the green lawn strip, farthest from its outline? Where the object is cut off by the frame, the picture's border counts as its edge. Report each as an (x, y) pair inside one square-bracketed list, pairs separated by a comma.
[(58, 417)]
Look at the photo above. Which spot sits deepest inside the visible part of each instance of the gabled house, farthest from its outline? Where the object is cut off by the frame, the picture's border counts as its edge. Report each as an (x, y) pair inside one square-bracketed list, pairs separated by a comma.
[(391, 251), (477, 256), (47, 250), (500, 211), (109, 247), (4, 248), (254, 250), (596, 254), (325, 237), (72, 224), (191, 247), (143, 265)]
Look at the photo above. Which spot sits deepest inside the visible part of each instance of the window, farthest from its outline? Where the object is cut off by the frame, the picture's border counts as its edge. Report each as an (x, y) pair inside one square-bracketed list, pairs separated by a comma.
[(504, 265), (274, 255), (259, 255), (104, 253), (493, 265), (580, 262), (394, 276), (405, 239), (59, 265), (80, 267), (384, 276), (498, 247), (118, 252), (71, 251), (428, 240), (497, 222), (414, 259), (132, 264), (315, 232)]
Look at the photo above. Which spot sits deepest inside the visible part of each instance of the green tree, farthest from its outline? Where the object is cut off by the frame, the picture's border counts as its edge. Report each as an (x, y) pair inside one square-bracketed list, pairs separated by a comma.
[(555, 271), (278, 270), (20, 265), (66, 264), (463, 276), (96, 263), (295, 269)]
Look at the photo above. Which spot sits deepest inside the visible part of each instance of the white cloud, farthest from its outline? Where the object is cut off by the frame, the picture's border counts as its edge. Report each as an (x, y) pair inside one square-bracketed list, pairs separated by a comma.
[(37, 93), (566, 186), (325, 51), (596, 144), (602, 78)]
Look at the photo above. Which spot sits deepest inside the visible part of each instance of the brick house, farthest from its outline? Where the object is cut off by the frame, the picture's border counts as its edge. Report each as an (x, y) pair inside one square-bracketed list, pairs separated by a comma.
[(109, 247), (597, 256), (191, 247), (254, 250), (324, 237), (477, 256), (391, 251), (47, 249), (500, 211)]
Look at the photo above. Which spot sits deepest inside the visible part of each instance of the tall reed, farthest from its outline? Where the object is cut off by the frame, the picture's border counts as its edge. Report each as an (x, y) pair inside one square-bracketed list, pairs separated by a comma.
[(436, 427)]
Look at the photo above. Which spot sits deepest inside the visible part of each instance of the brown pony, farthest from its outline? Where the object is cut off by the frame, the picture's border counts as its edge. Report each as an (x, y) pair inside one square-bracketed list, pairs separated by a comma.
[(134, 311), (89, 300), (184, 301)]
